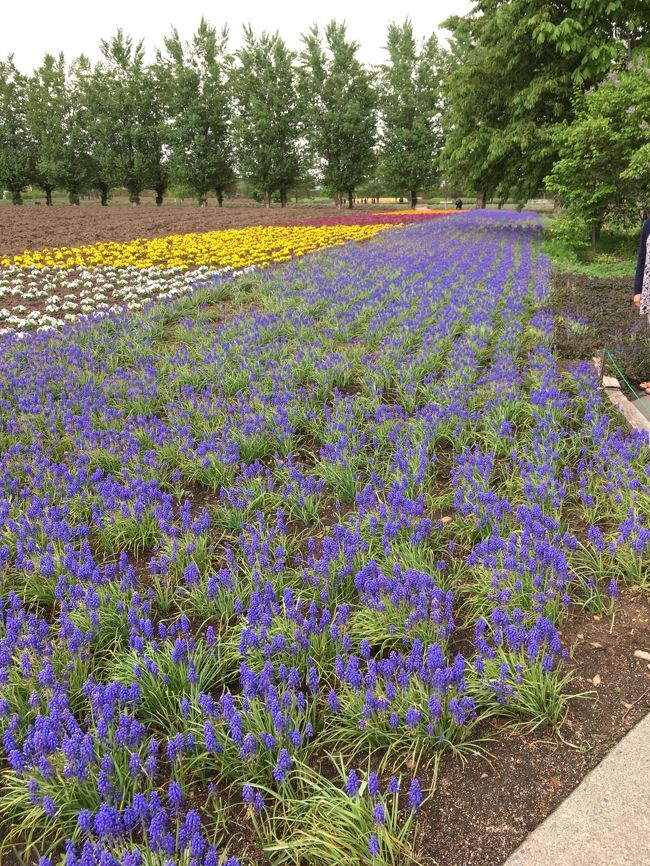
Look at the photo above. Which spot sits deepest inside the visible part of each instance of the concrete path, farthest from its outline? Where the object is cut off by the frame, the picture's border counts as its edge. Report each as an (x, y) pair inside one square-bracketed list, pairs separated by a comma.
[(643, 403), (606, 820), (636, 411)]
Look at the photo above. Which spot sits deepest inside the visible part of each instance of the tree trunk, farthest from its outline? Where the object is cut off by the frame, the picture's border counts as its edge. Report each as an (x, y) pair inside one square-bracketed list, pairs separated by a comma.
[(338, 199), (16, 196), (103, 193), (73, 197), (557, 207), (134, 198), (267, 198), (481, 199), (160, 192), (595, 234), (350, 193), (47, 189), (283, 198), (203, 199), (413, 198), (219, 191)]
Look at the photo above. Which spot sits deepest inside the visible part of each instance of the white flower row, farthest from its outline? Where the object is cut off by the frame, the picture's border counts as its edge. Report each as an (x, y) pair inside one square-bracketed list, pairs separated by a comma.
[(62, 295)]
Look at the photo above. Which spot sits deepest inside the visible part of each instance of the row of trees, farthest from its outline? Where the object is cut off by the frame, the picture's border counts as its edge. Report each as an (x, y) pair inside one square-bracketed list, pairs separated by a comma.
[(528, 95), (553, 95), (200, 117)]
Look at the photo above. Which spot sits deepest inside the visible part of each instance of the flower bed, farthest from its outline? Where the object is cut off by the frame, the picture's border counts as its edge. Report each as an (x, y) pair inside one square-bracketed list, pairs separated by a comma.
[(44, 289), (394, 217), (271, 548), (235, 248)]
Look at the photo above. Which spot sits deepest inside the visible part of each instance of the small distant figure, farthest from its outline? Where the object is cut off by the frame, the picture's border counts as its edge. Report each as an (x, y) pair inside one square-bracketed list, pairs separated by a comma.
[(459, 204)]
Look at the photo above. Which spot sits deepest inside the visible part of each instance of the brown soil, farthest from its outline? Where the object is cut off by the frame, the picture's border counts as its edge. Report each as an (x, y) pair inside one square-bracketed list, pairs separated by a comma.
[(32, 228), (484, 808), (608, 320), (481, 811)]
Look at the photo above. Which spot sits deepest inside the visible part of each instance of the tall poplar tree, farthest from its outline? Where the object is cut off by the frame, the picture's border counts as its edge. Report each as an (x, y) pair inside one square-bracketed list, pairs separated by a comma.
[(56, 119), (16, 143), (97, 96), (410, 107), (339, 109), (201, 137), (131, 106), (267, 118)]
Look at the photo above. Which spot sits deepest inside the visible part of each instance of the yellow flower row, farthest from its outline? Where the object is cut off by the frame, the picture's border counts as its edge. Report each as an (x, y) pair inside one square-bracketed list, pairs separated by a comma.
[(237, 248)]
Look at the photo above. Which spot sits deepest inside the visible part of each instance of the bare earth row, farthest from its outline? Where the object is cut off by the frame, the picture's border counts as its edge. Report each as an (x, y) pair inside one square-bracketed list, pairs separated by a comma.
[(30, 228)]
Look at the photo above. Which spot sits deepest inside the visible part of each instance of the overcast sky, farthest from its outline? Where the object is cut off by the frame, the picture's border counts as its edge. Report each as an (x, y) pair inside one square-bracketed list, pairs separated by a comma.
[(29, 29)]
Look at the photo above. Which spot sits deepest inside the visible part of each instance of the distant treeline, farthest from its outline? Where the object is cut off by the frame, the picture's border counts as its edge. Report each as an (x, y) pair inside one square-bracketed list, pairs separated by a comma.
[(528, 95), (200, 118)]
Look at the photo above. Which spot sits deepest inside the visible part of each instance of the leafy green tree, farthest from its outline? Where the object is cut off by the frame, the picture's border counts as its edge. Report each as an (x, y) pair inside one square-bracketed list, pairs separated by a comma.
[(160, 93), (102, 111), (515, 65), (56, 119), (200, 100), (46, 107), (267, 119), (410, 107), (16, 142), (133, 110), (601, 34), (603, 168), (339, 109), (504, 94)]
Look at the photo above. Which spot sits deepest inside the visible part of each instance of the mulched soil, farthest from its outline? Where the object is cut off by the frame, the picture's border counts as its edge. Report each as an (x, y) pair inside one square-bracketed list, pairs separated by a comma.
[(482, 810), (32, 228), (606, 318)]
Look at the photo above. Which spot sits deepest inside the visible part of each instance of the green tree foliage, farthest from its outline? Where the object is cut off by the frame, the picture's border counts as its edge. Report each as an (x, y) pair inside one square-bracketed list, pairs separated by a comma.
[(17, 153), (601, 34), (515, 67), (500, 111), (101, 110), (339, 110), (603, 168), (195, 75), (158, 135), (410, 105), (56, 119), (474, 109), (133, 108), (267, 120)]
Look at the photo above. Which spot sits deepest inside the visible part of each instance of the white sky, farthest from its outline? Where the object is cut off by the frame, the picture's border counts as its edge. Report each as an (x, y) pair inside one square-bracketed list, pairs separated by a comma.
[(29, 29)]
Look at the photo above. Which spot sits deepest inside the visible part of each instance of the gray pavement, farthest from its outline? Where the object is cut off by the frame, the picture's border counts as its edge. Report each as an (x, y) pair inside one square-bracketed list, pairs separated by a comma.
[(643, 403), (636, 414), (606, 820)]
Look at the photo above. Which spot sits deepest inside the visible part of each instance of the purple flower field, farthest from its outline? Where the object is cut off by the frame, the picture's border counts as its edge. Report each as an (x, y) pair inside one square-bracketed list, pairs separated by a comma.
[(269, 549)]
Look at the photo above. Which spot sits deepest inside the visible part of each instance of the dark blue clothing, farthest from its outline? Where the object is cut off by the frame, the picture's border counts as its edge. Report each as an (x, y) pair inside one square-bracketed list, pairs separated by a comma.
[(640, 265)]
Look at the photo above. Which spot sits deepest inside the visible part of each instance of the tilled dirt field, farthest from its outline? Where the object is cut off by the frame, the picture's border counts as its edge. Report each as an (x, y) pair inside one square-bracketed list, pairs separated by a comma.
[(33, 228)]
